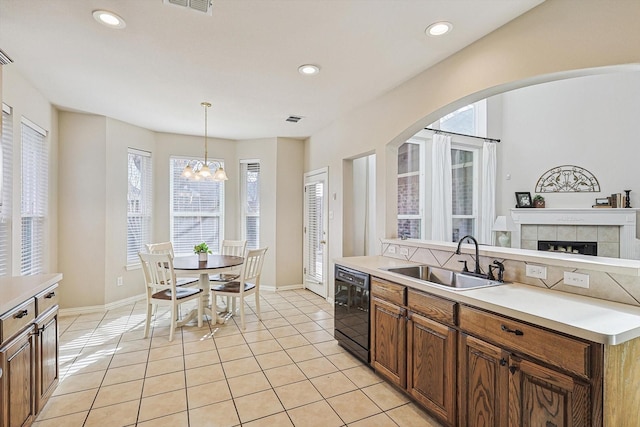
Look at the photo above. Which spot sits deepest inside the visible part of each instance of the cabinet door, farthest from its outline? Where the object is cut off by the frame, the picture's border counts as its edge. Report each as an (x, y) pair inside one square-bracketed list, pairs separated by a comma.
[(17, 359), (484, 383), (539, 396), (388, 339), (431, 366), (47, 358)]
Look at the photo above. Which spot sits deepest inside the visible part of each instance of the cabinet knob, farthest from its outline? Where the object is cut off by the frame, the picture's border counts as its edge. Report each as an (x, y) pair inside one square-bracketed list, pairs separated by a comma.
[(503, 362), (511, 331), (513, 369)]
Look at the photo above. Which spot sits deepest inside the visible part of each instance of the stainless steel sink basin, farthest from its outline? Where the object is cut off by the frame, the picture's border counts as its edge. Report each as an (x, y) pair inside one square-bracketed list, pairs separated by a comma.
[(444, 277)]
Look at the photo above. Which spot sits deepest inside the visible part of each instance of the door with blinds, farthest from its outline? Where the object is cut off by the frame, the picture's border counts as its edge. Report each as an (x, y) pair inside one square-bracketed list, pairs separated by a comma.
[(315, 232)]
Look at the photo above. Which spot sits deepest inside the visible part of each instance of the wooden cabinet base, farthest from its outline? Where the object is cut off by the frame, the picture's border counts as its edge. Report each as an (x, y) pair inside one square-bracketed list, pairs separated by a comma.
[(17, 359)]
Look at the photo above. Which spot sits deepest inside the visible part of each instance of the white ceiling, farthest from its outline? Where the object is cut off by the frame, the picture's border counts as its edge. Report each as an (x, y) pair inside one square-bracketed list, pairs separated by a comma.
[(243, 59)]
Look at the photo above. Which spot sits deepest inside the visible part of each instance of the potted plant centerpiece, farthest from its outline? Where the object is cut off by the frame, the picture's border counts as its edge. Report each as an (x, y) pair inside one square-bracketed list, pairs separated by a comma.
[(202, 249), (538, 201)]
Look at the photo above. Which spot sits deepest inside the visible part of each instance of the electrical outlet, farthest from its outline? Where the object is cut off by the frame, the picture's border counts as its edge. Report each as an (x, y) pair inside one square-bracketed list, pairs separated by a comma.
[(576, 279), (537, 271), (119, 281), (392, 249), (404, 251)]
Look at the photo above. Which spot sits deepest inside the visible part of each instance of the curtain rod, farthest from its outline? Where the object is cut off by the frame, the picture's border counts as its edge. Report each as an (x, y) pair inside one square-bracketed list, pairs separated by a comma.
[(463, 134)]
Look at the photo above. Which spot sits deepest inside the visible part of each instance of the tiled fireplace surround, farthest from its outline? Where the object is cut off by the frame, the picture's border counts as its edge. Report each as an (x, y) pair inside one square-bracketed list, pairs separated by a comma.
[(606, 236), (610, 279)]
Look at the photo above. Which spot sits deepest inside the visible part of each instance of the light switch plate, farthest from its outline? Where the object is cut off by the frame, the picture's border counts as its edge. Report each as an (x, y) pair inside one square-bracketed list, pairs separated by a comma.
[(392, 249), (404, 251), (576, 279)]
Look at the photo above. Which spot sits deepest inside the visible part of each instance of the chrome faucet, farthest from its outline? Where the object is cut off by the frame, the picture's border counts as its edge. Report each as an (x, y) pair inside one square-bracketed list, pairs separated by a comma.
[(475, 242)]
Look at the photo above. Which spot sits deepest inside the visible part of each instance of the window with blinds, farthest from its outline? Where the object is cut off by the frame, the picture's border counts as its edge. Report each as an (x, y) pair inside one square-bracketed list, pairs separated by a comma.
[(139, 203), (6, 185), (314, 192), (197, 209), (35, 190), (250, 199)]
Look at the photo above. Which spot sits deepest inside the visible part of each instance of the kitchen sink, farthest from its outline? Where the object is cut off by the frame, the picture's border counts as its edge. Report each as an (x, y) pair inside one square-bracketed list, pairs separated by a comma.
[(444, 277)]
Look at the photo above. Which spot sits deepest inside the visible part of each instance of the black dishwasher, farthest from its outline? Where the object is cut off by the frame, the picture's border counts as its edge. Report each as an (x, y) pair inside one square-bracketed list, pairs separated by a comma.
[(352, 311)]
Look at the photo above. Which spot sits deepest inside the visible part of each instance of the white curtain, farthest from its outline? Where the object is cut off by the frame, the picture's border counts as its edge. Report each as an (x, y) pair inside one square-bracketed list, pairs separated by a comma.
[(441, 191), (488, 199)]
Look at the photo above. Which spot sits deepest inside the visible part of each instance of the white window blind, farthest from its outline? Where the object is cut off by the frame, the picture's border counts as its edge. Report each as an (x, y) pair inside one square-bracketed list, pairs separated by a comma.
[(314, 192), (6, 186), (197, 209), (35, 190), (250, 198), (139, 203)]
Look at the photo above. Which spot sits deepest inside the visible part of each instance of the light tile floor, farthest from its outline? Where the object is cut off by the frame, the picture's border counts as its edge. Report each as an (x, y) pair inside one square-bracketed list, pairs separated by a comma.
[(286, 370)]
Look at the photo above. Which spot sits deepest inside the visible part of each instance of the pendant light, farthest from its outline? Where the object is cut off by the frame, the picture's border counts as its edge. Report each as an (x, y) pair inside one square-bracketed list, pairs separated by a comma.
[(201, 170)]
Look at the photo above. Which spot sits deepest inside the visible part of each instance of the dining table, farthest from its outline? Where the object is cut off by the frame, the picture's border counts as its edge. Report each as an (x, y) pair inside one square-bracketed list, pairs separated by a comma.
[(191, 265)]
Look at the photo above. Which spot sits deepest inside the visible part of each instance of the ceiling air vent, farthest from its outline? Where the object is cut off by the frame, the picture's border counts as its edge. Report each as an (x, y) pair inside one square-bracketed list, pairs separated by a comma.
[(205, 6), (293, 119), (4, 58)]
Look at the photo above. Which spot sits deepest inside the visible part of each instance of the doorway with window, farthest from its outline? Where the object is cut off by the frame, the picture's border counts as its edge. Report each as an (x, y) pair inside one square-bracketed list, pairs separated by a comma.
[(315, 231)]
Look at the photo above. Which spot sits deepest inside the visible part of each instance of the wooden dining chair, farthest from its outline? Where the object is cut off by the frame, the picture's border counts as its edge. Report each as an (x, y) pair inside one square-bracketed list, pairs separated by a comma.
[(248, 283), (234, 248), (167, 248), (161, 289)]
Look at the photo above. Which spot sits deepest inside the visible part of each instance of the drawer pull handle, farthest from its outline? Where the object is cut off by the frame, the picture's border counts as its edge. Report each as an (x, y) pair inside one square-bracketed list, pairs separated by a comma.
[(50, 295), (511, 331), (21, 314)]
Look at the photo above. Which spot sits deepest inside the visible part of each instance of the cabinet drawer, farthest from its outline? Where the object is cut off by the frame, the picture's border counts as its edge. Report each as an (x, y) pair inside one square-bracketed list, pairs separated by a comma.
[(436, 308), (17, 318), (550, 347), (389, 291), (46, 299)]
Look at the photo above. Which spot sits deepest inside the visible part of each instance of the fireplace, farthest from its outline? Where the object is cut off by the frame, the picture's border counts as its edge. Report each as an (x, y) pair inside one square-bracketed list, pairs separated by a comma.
[(583, 248), (613, 231)]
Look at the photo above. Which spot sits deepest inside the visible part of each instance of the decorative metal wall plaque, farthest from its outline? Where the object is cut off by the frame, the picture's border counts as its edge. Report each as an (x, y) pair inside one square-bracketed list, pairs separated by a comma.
[(567, 179)]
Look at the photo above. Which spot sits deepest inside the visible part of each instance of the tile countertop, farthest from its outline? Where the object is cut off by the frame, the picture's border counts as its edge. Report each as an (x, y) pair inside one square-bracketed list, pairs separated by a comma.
[(18, 289), (592, 319)]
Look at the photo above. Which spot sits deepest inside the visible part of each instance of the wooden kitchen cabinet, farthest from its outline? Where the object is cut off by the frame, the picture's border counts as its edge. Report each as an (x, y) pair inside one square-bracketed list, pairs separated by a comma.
[(431, 366), (47, 369), (413, 345), (28, 357), (502, 384), (483, 384), (388, 340), (17, 359)]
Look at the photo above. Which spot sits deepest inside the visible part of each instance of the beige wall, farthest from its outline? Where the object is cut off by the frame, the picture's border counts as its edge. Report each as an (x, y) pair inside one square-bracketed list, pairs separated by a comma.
[(289, 211), (552, 41), (281, 198), (82, 209)]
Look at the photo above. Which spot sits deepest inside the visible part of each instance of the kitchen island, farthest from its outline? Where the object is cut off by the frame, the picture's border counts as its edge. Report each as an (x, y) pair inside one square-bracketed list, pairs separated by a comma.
[(514, 353)]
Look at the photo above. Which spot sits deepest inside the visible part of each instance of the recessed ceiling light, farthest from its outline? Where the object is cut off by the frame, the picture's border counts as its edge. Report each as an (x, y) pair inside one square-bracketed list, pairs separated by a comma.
[(439, 28), (308, 69), (109, 19)]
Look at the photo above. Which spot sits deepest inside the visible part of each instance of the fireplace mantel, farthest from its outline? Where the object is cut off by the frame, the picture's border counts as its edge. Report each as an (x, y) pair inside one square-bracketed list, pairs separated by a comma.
[(626, 219)]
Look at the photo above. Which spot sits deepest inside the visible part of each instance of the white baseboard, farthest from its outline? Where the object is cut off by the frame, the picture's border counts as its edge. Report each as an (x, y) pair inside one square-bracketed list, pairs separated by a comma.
[(281, 288), (100, 308)]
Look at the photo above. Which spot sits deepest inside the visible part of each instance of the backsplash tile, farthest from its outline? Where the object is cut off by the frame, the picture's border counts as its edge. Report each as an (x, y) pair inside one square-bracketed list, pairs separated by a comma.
[(612, 287)]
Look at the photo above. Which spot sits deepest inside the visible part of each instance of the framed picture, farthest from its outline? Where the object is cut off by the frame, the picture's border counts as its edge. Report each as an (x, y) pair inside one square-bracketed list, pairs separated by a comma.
[(602, 201), (523, 200)]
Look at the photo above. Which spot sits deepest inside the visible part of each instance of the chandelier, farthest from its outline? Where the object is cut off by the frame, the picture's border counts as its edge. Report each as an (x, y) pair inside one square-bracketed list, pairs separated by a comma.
[(197, 170)]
